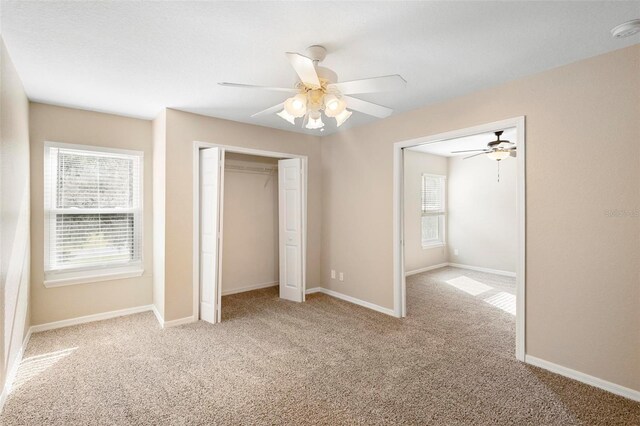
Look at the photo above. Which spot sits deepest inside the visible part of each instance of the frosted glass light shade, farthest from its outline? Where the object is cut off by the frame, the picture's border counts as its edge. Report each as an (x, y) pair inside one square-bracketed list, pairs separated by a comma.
[(314, 123), (333, 105), (498, 155), (285, 115), (296, 105), (342, 117)]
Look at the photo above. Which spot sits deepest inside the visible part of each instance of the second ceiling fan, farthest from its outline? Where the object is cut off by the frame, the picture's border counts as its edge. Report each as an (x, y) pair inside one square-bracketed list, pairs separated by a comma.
[(496, 150), (319, 91)]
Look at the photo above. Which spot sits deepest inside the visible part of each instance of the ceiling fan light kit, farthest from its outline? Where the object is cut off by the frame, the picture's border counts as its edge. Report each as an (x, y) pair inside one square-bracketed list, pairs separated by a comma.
[(312, 100), (319, 92), (498, 155), (497, 150)]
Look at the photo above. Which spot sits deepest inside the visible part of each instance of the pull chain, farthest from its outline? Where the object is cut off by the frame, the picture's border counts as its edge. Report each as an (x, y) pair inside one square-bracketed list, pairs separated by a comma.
[(498, 171)]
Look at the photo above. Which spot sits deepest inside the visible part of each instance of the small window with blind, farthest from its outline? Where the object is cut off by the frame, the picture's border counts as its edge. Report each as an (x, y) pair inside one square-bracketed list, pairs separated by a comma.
[(433, 210), (93, 214)]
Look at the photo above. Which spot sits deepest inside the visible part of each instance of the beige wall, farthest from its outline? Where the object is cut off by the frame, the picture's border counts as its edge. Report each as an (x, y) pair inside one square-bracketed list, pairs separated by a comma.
[(415, 164), (483, 223), (250, 244), (159, 127), (582, 129), (182, 130), (58, 124), (14, 213)]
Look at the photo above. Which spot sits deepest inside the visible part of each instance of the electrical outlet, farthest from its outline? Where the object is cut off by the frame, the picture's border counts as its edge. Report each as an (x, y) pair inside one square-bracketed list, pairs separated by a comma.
[(341, 276), (455, 252), (333, 274)]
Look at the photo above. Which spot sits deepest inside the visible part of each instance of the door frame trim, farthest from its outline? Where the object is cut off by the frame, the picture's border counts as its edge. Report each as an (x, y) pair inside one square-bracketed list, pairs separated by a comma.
[(197, 146), (399, 278)]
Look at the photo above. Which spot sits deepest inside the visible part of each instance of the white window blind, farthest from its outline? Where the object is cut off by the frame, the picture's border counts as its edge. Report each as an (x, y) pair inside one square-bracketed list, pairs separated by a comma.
[(93, 204), (432, 194), (433, 209)]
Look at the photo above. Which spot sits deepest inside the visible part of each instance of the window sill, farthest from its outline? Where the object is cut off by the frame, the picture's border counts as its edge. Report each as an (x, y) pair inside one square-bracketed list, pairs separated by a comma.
[(86, 277), (432, 245)]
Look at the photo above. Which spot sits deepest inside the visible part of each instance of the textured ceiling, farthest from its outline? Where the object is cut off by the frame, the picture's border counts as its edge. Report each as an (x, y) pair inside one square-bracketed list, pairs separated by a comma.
[(135, 58)]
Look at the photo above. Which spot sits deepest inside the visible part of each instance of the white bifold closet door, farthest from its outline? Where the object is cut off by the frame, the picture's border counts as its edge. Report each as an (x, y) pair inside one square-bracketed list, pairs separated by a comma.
[(291, 217), (211, 184)]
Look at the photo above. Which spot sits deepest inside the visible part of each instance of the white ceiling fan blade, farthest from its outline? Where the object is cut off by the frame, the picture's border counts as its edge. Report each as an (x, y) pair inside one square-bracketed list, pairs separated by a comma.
[(250, 86), (474, 155), (367, 107), (387, 83), (304, 68), (471, 150), (271, 110)]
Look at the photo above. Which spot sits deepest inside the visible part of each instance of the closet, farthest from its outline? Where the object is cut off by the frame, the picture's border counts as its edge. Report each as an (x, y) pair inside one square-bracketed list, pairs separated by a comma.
[(250, 232)]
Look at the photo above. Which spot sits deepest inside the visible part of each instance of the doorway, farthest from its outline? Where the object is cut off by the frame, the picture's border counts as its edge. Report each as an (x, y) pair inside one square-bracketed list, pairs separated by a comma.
[(287, 235), (437, 230)]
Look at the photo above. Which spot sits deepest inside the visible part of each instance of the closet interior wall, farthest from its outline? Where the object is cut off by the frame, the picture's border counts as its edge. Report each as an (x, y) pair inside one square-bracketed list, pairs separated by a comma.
[(250, 223)]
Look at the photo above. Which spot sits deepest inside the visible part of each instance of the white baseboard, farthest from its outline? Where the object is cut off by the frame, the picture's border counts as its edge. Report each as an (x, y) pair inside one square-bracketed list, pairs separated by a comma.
[(584, 378), (90, 318), (428, 268), (172, 323), (157, 314), (12, 371), (488, 270), (179, 321), (459, 265), (249, 288), (108, 315), (351, 299)]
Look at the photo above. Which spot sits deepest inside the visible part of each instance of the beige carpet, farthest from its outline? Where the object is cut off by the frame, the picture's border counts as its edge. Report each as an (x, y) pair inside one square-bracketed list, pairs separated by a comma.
[(451, 362)]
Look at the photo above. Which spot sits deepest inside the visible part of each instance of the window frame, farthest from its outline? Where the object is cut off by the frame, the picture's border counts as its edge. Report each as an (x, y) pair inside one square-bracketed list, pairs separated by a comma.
[(92, 273), (442, 215)]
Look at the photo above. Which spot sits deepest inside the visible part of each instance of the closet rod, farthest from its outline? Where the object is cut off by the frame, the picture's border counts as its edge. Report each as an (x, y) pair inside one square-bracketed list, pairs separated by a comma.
[(267, 170)]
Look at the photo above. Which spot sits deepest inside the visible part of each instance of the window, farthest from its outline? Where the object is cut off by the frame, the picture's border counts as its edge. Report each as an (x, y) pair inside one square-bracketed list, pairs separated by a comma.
[(93, 214), (433, 210)]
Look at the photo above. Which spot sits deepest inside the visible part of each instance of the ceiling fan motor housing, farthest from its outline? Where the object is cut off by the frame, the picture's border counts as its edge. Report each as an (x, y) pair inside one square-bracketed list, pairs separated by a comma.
[(499, 143), (316, 52)]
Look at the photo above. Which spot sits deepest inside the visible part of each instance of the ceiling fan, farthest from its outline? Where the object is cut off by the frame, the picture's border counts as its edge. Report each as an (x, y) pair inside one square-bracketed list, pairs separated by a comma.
[(319, 91), (496, 150)]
